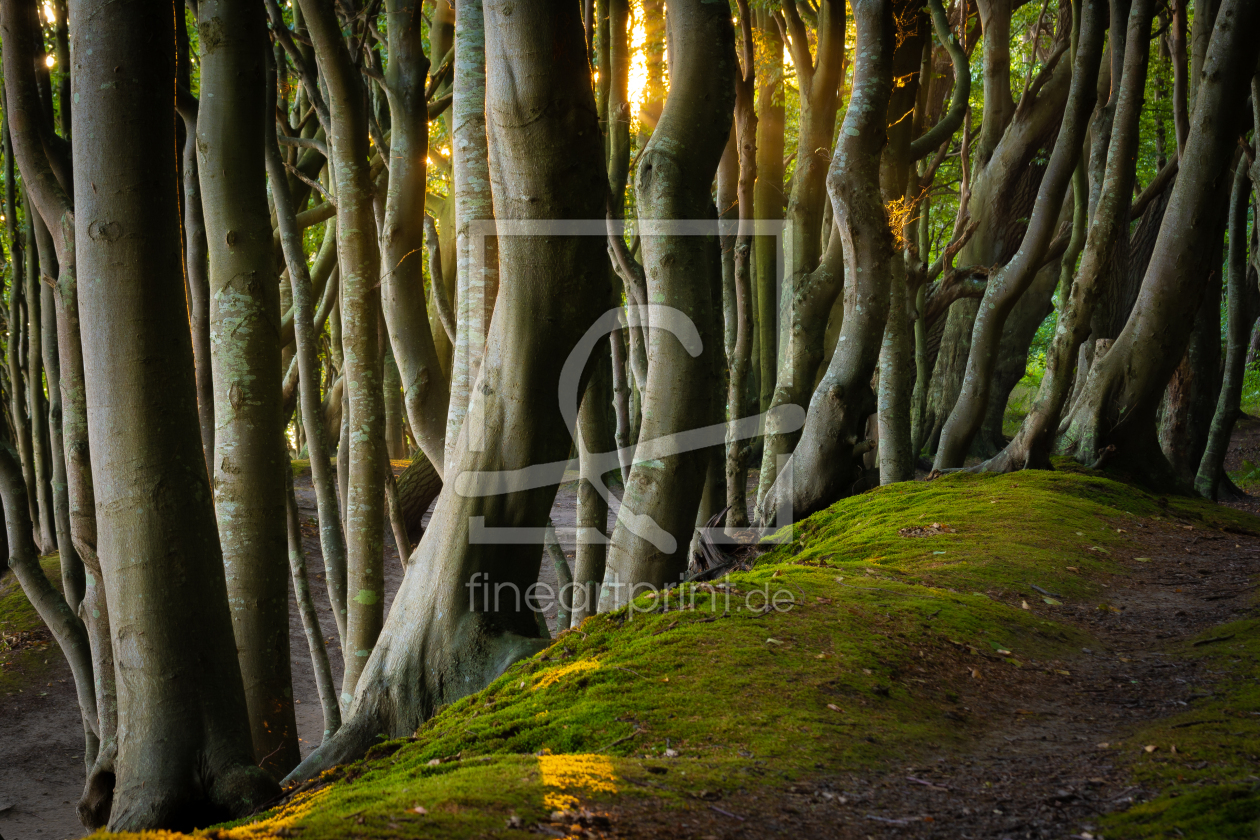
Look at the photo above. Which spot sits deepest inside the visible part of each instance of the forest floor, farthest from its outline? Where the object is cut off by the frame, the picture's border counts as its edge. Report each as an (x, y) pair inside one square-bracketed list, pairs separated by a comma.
[(1035, 655)]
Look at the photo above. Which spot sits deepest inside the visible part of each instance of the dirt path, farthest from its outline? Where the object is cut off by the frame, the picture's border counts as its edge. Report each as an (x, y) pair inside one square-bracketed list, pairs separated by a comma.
[(1044, 762)]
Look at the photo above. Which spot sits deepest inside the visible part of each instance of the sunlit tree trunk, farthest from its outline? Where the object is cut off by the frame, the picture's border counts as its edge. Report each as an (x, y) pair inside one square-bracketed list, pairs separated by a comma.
[(822, 465), (442, 640), (674, 180)]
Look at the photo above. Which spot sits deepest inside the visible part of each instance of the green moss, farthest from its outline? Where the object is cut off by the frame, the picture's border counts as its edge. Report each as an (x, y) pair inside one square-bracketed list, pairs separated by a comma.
[(21, 669), (704, 691), (1208, 787), (300, 468)]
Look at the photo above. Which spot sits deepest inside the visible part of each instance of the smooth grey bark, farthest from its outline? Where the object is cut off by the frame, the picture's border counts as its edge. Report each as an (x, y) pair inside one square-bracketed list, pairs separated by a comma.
[(36, 399), (425, 387), (1003, 291), (66, 627), (674, 181), (806, 300), (476, 258), (49, 191), (1032, 444), (73, 578), (183, 751), (1207, 481), (364, 424), (1120, 397), (442, 641), (323, 478), (822, 467), (249, 457), (196, 272), (596, 435), (767, 198)]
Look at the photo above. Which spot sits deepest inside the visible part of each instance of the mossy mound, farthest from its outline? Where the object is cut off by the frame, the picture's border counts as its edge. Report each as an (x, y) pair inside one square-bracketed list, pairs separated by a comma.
[(26, 647), (706, 692)]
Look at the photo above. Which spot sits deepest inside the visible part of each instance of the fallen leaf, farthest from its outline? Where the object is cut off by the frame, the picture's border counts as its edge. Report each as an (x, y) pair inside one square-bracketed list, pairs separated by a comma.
[(773, 642), (1173, 749), (1054, 602), (821, 656), (1142, 559), (1072, 569), (1064, 673), (434, 762), (1150, 748), (1024, 605), (419, 809), (833, 707), (1103, 745), (671, 753), (975, 673)]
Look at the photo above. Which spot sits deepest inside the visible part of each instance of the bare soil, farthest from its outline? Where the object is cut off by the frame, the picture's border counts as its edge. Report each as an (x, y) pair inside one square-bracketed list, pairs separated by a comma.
[(1034, 768)]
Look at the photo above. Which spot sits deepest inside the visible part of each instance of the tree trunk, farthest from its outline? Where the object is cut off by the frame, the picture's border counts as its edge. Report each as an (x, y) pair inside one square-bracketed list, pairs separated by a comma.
[(1120, 397), (183, 750), (425, 386), (739, 359), (1003, 291), (822, 468), (1238, 328), (442, 640), (196, 270), (72, 574), (364, 425), (673, 182), (806, 301), (476, 257), (768, 198), (36, 401), (249, 460)]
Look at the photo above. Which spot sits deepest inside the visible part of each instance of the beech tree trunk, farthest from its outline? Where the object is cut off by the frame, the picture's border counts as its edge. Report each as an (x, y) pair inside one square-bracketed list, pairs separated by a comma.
[(1004, 290), (476, 258), (181, 702), (363, 449), (822, 467), (249, 457), (811, 288), (425, 387), (768, 198), (1207, 482), (445, 636), (673, 182), (1117, 406)]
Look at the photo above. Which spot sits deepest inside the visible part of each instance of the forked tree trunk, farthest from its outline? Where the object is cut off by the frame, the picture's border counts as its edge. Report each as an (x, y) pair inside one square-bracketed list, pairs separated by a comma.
[(249, 459), (811, 287), (425, 388), (822, 467), (1032, 444), (1004, 290), (1117, 406), (362, 451), (181, 702), (673, 182), (444, 637)]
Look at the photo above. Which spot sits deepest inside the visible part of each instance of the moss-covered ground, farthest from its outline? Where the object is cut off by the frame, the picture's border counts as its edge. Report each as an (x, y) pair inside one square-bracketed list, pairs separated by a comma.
[(26, 647), (706, 692)]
